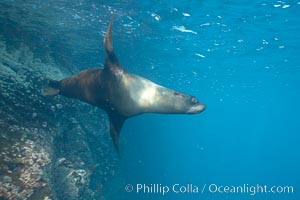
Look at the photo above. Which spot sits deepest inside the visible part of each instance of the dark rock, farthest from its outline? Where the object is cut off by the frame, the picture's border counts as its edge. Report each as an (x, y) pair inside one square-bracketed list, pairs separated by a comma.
[(51, 148)]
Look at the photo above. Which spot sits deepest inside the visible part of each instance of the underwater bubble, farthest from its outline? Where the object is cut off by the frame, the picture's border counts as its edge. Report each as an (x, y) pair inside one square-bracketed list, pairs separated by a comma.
[(205, 24), (156, 16), (34, 115), (200, 55), (186, 14), (265, 42), (59, 106), (44, 124), (183, 29)]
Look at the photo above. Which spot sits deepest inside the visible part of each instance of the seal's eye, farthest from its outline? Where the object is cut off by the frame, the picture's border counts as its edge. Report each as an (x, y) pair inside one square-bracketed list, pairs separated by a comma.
[(176, 93), (194, 100)]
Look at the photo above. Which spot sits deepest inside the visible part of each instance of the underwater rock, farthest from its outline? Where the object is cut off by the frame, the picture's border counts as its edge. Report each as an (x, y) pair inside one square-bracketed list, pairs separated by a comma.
[(50, 148)]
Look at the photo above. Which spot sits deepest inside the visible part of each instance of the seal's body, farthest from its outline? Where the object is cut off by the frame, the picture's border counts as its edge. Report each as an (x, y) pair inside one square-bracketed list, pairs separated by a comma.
[(122, 94)]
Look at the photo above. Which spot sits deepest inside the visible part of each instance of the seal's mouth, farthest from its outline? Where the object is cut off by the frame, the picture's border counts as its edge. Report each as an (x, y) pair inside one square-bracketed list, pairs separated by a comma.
[(196, 109)]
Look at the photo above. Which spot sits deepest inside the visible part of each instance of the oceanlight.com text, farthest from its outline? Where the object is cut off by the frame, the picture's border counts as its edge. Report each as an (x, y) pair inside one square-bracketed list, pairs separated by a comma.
[(163, 189), (249, 189)]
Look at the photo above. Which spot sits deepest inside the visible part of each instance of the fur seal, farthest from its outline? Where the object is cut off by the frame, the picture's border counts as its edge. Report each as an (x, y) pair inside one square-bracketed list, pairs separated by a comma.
[(121, 94)]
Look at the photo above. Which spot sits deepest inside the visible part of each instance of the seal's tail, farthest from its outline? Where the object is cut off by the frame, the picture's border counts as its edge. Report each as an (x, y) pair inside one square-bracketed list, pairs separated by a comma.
[(53, 88)]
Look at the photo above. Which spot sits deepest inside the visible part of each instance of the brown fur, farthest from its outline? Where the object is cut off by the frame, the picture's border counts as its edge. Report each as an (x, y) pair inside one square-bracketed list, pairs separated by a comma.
[(121, 94)]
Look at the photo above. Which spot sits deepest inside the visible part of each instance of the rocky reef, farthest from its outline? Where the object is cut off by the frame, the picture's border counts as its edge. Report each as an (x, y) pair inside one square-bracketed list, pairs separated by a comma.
[(50, 148)]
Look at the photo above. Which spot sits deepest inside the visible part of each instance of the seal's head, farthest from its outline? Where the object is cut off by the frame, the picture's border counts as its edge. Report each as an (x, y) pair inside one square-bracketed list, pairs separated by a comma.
[(195, 106), (163, 100), (185, 103)]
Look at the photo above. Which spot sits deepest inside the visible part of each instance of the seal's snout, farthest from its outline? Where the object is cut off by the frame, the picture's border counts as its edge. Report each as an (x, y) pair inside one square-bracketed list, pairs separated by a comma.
[(202, 107), (198, 108), (195, 106)]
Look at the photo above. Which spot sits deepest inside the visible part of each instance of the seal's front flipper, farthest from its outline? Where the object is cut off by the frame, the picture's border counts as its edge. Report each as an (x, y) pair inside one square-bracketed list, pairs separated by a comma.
[(53, 88), (111, 60), (116, 123), (107, 40)]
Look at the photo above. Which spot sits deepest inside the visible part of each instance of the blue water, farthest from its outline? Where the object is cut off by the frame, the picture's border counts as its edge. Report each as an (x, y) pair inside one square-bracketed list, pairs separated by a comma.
[(239, 58)]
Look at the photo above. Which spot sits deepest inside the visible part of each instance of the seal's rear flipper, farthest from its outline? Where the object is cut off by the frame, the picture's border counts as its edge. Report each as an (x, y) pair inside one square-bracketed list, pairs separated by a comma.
[(116, 123), (53, 88), (49, 91)]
